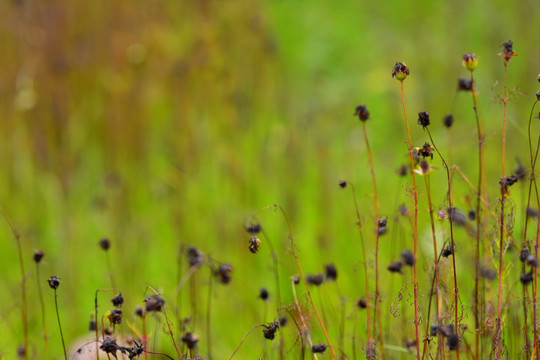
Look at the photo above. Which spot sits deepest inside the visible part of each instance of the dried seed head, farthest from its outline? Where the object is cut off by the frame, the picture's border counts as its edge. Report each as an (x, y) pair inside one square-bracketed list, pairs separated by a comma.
[(254, 228), (109, 346), (190, 339), (318, 348), (115, 316), (447, 329), (21, 351), (342, 184), (457, 216), (330, 272), (105, 244), (195, 256), (532, 260), (447, 251), (408, 257), (362, 112), (400, 71), (507, 182), (362, 303), (118, 300), (488, 273), (154, 302), (254, 244), (465, 84), (54, 282), (423, 119), (224, 273), (426, 151), (452, 341), (448, 120), (526, 278), (315, 279), (471, 215), (382, 225), (269, 330), (139, 311), (470, 61), (395, 267), (508, 50), (433, 329), (283, 321), (524, 254), (264, 294), (538, 95), (38, 255)]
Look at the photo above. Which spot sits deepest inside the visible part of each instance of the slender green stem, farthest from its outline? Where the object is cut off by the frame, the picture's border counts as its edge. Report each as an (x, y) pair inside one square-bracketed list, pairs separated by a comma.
[(59, 324), (43, 318)]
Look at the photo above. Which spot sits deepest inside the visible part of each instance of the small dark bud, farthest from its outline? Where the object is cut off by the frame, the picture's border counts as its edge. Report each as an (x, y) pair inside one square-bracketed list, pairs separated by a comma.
[(452, 341), (508, 51), (295, 279), (465, 84), (318, 348), (507, 182), (190, 339), (526, 278), (38, 255), (382, 226), (195, 256), (423, 118), (524, 254), (531, 212), (224, 273), (488, 273), (447, 251), (254, 244), (269, 330), (403, 210), (408, 257), (433, 329), (283, 321), (92, 325), (403, 170), (139, 311), (448, 120), (410, 343), (109, 346), (395, 267), (254, 228), (105, 244), (471, 215), (532, 260), (315, 279), (154, 303), (331, 272), (539, 78), (263, 294), (362, 303), (424, 166), (54, 282), (457, 216), (21, 351), (118, 300), (400, 71), (115, 316), (362, 112), (538, 95), (342, 184), (426, 151)]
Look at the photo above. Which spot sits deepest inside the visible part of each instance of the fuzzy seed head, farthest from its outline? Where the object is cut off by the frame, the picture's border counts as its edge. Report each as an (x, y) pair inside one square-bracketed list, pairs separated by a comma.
[(118, 300), (154, 303)]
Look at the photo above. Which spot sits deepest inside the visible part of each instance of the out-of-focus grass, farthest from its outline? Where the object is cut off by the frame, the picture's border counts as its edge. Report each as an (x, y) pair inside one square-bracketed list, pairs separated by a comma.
[(159, 123)]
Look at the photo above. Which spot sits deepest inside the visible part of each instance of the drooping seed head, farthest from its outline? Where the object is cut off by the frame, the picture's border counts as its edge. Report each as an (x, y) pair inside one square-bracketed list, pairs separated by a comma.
[(38, 255), (54, 282), (269, 330), (253, 228), (400, 71), (118, 300), (318, 348), (224, 273), (470, 61), (362, 112), (109, 346), (254, 244), (423, 119)]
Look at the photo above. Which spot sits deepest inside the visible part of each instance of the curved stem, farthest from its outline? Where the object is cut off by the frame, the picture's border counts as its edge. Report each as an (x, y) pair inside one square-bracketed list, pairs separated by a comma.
[(59, 324), (242, 341)]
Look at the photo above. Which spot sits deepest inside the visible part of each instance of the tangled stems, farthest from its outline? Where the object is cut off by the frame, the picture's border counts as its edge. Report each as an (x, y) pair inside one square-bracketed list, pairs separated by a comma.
[(291, 238), (450, 217), (415, 197), (376, 314)]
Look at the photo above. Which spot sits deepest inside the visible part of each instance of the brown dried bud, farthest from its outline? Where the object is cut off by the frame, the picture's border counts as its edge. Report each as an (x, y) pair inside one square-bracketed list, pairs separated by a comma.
[(362, 112), (400, 71), (465, 84), (38, 255), (154, 303), (254, 244), (54, 282), (190, 339), (423, 118), (105, 244), (448, 120)]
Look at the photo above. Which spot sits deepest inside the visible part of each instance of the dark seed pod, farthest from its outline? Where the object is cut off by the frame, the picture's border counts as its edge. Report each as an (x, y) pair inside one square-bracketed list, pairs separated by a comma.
[(465, 84), (471, 215), (264, 294), (526, 278), (115, 316), (92, 325), (433, 329), (253, 228), (269, 330), (38, 255), (109, 346), (105, 244), (395, 267), (283, 321), (362, 303), (382, 226), (507, 182), (426, 151), (408, 257), (403, 170), (139, 311), (318, 348), (448, 120), (342, 184), (452, 341), (315, 279), (532, 260), (54, 282), (447, 251), (423, 118), (424, 166), (488, 273), (154, 303), (331, 272), (362, 112), (195, 256), (190, 339), (532, 212), (254, 244), (524, 254), (224, 273), (118, 300), (508, 51)]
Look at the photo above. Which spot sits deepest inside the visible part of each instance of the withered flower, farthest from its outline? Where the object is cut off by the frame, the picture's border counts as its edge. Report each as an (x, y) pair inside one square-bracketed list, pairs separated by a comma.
[(400, 71), (254, 244), (423, 118), (154, 302), (470, 61), (362, 112)]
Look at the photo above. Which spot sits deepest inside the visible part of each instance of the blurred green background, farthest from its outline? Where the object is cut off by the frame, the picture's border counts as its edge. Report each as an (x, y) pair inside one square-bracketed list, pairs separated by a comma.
[(162, 123)]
